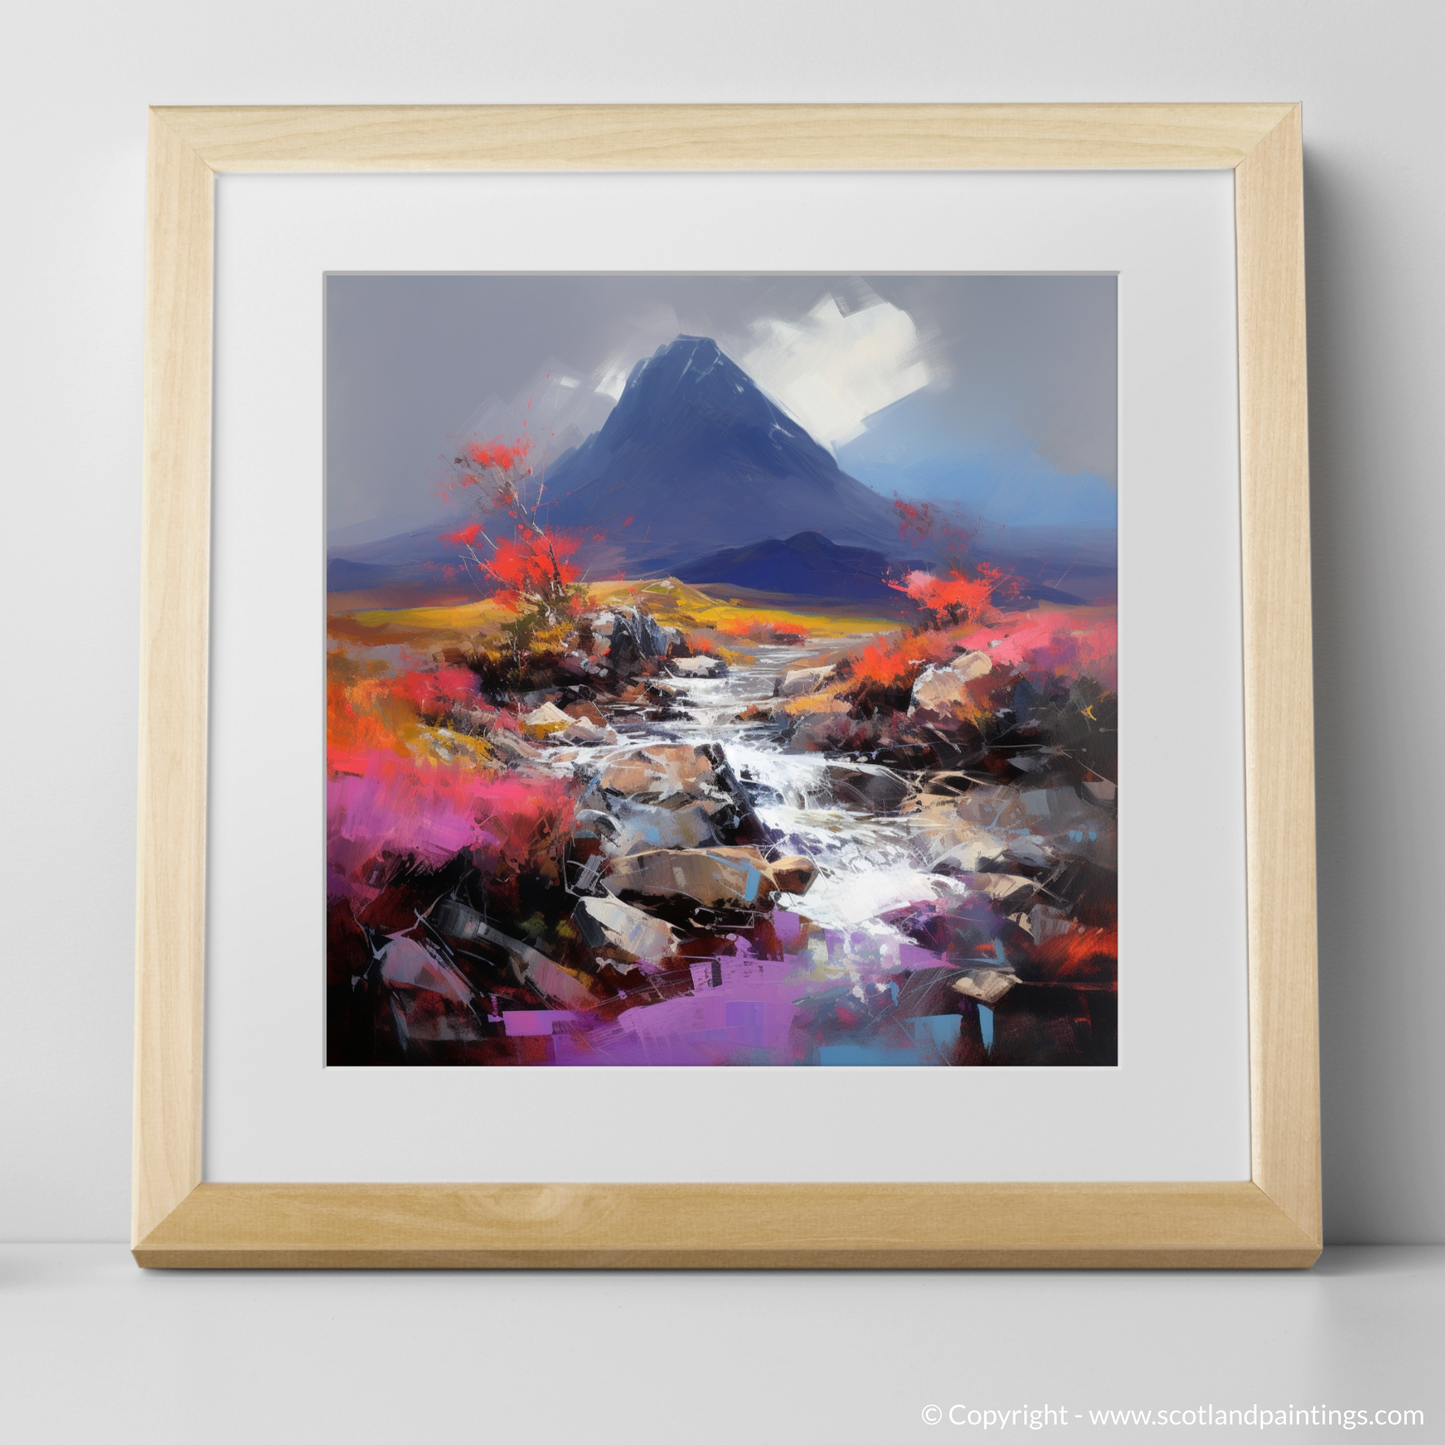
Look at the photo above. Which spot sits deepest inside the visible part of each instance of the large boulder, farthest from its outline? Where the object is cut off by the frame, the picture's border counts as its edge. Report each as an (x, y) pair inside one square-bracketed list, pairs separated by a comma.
[(623, 932), (632, 635), (798, 681), (830, 729), (627, 826), (943, 690), (545, 720), (689, 780), (867, 786), (430, 1002), (407, 964), (662, 770), (715, 877), (586, 733)]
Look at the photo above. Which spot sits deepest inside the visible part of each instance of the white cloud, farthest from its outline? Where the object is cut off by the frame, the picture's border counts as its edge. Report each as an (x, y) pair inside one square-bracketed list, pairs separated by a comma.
[(613, 375), (831, 372)]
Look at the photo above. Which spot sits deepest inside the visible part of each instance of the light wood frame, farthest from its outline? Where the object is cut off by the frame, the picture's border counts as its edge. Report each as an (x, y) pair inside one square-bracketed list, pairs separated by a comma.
[(1271, 1220)]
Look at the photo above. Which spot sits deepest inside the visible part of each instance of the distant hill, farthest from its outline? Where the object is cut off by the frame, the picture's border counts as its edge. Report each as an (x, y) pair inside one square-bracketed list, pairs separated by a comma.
[(804, 565)]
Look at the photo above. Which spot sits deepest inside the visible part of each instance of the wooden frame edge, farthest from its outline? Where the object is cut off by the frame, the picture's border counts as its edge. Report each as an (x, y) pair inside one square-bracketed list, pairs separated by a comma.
[(712, 137), (175, 579), (1272, 1221), (706, 1226), (1278, 680)]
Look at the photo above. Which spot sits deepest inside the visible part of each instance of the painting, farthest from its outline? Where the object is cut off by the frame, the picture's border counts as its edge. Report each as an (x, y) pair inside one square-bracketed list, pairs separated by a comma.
[(721, 670)]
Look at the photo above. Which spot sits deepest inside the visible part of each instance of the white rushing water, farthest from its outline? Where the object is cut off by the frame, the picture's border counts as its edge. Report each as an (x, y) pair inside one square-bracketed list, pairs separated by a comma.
[(868, 863)]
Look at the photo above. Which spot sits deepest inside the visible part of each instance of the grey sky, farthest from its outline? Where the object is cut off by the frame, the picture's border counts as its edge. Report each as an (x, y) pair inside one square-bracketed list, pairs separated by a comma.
[(1022, 364)]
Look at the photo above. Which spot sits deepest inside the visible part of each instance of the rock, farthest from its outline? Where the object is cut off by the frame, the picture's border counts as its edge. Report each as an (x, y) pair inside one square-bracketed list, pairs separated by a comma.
[(758, 713), (1030, 851), (538, 972), (986, 985), (620, 930), (942, 689), (671, 775), (585, 733), (1046, 923), (405, 963), (799, 680), (1072, 825), (430, 1003), (1052, 809), (961, 846), (969, 665), (659, 770), (715, 877), (866, 785), (510, 745), (698, 666), (632, 637), (993, 807), (571, 669), (793, 874), (830, 729), (1001, 887), (641, 827), (557, 984), (969, 847), (544, 720), (586, 710), (710, 877), (1103, 793)]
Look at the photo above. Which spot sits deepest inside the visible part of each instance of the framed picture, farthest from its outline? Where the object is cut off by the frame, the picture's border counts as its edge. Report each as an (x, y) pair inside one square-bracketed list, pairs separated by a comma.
[(753, 536)]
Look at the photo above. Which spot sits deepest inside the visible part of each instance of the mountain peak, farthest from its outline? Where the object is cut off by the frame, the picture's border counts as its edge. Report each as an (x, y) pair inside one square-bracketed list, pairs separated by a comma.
[(687, 350), (693, 373), (694, 456)]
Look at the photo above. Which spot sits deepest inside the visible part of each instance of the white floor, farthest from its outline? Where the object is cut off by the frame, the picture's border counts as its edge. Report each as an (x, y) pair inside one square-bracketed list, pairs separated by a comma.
[(94, 1349)]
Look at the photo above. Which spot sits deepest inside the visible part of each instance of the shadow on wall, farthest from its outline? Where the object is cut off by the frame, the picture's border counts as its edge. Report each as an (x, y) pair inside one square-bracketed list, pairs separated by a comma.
[(1369, 556)]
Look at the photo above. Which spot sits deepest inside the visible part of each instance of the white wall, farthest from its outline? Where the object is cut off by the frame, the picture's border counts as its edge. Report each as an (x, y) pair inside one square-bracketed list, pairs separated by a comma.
[(76, 80)]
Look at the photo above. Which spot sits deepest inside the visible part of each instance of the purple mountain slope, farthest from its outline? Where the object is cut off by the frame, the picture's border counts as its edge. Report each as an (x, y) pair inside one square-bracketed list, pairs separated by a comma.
[(694, 458)]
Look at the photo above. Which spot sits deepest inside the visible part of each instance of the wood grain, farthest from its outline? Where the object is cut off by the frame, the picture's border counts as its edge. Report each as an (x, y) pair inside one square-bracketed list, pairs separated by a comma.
[(707, 137), (1273, 1221), (1278, 691), (175, 566), (706, 1226)]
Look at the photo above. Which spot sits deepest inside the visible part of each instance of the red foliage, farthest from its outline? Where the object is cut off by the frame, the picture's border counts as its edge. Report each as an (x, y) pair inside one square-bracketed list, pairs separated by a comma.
[(440, 691), (496, 453), (397, 806), (1083, 954), (464, 537), (957, 597), (494, 468), (896, 663), (915, 520), (532, 564), (921, 522), (530, 569)]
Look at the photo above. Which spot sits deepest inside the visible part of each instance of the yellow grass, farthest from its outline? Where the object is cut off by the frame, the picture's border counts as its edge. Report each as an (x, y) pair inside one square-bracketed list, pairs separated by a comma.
[(672, 603)]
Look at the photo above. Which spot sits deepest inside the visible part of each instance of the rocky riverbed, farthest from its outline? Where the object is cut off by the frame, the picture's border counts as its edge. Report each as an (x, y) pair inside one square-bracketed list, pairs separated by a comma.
[(768, 858)]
